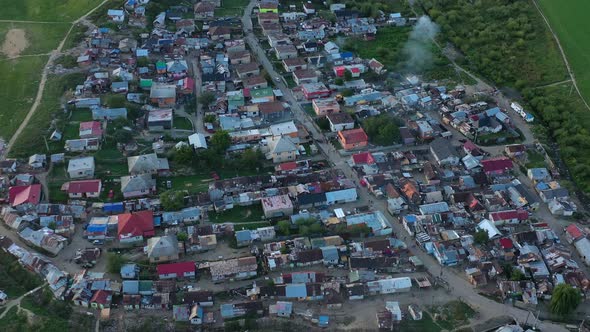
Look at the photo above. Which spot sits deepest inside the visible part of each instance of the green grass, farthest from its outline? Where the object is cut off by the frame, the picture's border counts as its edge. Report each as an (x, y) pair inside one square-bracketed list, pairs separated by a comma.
[(76, 36), (191, 183), (32, 138), (231, 8), (566, 22), (251, 225), (19, 80), (426, 324), (46, 10), (81, 115), (14, 279), (41, 38), (55, 180), (180, 122), (66, 61), (387, 46), (239, 214), (535, 159)]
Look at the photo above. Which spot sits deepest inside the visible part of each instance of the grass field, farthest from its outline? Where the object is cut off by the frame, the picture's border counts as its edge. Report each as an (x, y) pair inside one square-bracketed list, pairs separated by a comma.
[(566, 22), (180, 122), (239, 214), (45, 10), (20, 80), (231, 8), (41, 38)]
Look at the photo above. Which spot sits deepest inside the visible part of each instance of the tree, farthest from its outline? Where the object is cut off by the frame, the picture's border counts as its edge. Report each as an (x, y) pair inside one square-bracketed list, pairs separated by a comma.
[(284, 227), (114, 262), (347, 75), (52, 225), (206, 99), (123, 136), (339, 81), (184, 155), (172, 200), (517, 275), (251, 159), (182, 236), (210, 118), (382, 130), (565, 299), (481, 237), (220, 141)]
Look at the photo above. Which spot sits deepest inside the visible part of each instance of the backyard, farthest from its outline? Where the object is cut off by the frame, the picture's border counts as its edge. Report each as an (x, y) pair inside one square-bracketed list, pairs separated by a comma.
[(180, 122), (231, 8), (239, 214)]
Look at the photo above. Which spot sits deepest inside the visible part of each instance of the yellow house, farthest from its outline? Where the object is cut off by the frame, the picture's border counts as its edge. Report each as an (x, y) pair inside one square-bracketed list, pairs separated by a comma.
[(267, 7)]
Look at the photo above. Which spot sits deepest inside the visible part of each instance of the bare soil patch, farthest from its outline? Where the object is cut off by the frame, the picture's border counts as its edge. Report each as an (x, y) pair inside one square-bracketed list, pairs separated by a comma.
[(14, 43)]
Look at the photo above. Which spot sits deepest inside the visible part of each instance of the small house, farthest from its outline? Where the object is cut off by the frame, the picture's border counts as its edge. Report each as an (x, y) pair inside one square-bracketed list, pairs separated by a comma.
[(353, 138), (81, 168)]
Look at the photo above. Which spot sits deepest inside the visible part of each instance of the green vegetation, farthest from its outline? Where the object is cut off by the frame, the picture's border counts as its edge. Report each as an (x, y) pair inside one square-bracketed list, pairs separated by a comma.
[(14, 279), (565, 300), (426, 324), (55, 180), (565, 21), (172, 200), (32, 137), (206, 99), (46, 10), (76, 36), (508, 43), (231, 8), (535, 159), (66, 61), (383, 129), (20, 80), (40, 38), (481, 237), (387, 46), (114, 262), (453, 314), (180, 122), (239, 214)]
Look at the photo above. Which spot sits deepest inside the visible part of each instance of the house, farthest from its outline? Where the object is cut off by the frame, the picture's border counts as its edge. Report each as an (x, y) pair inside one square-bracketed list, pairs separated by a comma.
[(326, 106), (268, 7), (203, 298), (583, 248), (20, 195), (376, 66), (101, 299), (247, 70), (315, 90), (138, 185), (160, 119), (37, 161), (444, 153), (302, 76), (83, 188), (271, 28), (90, 129), (340, 121), (116, 15), (197, 141), (219, 33), (353, 138), (79, 168), (239, 57), (204, 10), (177, 69), (185, 25), (255, 82), (268, 17), (272, 111), (263, 95), (284, 129), (129, 271), (331, 48), (135, 226), (294, 64), (147, 164), (508, 217), (538, 174), (8, 166), (120, 87), (243, 238), (282, 149), (281, 309), (83, 144), (515, 150), (496, 166), (176, 270), (330, 255), (285, 52), (341, 196), (164, 95), (162, 249), (99, 113), (308, 8), (277, 206), (236, 268)]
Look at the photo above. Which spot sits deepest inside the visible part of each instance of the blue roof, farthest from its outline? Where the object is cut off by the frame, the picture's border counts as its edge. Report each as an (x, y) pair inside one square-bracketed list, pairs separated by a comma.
[(157, 221), (131, 287), (411, 99), (411, 218), (330, 253), (542, 186), (346, 54), (227, 310), (493, 111), (113, 207), (341, 195), (128, 269), (296, 291), (323, 320), (243, 235), (97, 228)]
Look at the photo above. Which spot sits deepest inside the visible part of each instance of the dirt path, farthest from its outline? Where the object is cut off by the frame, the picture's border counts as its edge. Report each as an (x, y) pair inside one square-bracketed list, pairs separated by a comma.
[(41, 87), (553, 84), (15, 42), (567, 64), (16, 301)]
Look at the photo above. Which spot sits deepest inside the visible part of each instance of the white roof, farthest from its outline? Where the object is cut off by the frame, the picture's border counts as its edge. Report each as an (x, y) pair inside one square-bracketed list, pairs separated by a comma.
[(197, 140), (284, 128), (339, 213), (489, 227), (81, 163)]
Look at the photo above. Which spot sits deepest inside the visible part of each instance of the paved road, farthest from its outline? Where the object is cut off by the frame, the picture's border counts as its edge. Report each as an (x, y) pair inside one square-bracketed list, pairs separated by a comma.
[(487, 308), (199, 115)]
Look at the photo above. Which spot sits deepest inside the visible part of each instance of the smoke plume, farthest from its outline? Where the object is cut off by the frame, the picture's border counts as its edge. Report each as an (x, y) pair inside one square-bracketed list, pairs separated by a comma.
[(418, 47)]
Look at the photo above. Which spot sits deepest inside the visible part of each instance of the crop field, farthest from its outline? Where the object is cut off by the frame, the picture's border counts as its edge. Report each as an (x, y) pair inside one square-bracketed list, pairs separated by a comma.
[(566, 22)]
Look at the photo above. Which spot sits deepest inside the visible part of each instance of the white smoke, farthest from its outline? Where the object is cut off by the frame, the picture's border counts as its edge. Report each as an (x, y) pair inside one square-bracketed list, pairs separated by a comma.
[(418, 47)]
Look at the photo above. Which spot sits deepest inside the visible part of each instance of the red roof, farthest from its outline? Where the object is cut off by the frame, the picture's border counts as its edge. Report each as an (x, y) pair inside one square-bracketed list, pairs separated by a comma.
[(574, 231), (136, 224), (355, 70), (95, 128), (177, 268), (506, 243), (363, 158), (496, 164), (470, 146), (510, 214), (84, 186), (288, 166), (353, 136), (18, 195), (101, 297)]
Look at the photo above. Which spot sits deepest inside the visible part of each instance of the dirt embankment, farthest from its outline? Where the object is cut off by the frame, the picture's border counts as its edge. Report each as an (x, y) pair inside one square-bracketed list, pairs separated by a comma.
[(14, 43)]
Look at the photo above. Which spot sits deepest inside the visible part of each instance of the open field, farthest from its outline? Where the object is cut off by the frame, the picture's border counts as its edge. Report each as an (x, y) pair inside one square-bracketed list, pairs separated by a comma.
[(387, 46), (20, 80), (231, 8), (239, 214), (180, 122), (566, 22), (45, 10), (38, 38)]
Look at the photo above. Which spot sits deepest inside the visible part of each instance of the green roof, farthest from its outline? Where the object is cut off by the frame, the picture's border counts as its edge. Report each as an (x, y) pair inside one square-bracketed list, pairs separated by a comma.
[(145, 285), (260, 93), (145, 83)]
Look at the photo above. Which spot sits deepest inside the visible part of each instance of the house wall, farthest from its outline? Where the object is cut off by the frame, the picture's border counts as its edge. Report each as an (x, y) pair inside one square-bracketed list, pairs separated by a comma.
[(350, 146), (341, 126), (82, 173), (278, 212), (283, 157), (163, 258)]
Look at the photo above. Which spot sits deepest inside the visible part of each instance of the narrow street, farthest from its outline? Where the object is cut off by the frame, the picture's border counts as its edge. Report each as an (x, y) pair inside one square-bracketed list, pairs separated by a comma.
[(198, 116), (460, 288)]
